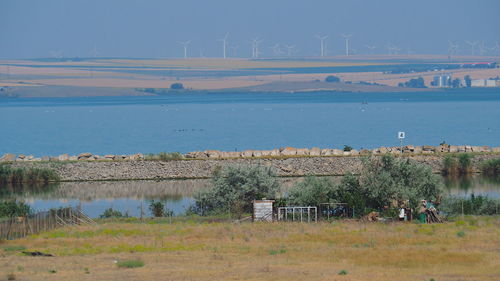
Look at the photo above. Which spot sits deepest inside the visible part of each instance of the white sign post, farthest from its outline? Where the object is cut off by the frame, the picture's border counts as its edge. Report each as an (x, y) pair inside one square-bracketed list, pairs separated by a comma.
[(401, 136)]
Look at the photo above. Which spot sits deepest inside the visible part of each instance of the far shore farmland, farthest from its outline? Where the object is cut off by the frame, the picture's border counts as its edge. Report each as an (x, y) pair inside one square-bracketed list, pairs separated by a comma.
[(129, 77)]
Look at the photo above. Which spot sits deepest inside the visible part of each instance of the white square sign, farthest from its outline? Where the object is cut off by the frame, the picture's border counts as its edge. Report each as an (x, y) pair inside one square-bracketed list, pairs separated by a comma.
[(401, 135)]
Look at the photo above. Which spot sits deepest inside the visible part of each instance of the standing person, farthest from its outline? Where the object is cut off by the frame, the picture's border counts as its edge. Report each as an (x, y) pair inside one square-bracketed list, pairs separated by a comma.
[(402, 214), (422, 215)]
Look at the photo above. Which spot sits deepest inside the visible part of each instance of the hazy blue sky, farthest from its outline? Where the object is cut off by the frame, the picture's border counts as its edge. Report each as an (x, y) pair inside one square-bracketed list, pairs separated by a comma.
[(127, 28)]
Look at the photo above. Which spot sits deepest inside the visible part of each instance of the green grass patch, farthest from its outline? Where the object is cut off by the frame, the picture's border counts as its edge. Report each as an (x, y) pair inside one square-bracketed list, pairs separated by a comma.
[(130, 263), (14, 248), (343, 272), (461, 234)]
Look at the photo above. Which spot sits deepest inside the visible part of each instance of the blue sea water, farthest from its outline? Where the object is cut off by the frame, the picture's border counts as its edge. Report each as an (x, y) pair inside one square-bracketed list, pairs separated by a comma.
[(238, 121)]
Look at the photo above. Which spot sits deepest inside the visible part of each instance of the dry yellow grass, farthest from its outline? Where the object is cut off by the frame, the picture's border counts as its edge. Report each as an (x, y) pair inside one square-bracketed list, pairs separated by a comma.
[(263, 251)]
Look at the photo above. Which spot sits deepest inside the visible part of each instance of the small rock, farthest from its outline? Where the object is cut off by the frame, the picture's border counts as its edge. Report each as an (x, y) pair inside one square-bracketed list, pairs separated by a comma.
[(8, 157), (315, 151), (63, 157)]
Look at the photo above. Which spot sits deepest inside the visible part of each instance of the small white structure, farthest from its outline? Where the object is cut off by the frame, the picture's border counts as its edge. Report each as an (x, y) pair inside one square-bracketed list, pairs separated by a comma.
[(484, 83), (263, 210)]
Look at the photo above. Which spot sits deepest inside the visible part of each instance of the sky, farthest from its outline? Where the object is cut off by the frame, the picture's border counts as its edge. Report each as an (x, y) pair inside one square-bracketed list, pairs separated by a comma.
[(153, 28)]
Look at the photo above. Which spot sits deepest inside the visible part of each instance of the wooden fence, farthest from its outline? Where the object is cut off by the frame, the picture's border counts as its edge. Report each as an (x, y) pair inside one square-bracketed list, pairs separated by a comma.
[(18, 227)]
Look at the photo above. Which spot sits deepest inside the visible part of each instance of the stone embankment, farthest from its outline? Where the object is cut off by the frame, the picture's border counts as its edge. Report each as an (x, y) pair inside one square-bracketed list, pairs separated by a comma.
[(281, 152), (286, 162)]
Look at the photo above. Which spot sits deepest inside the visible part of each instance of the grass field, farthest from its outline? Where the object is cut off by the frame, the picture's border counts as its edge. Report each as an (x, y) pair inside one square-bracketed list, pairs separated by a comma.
[(467, 249)]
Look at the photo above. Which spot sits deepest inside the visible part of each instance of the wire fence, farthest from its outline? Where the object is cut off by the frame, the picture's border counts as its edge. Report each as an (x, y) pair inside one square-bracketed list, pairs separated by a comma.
[(18, 227)]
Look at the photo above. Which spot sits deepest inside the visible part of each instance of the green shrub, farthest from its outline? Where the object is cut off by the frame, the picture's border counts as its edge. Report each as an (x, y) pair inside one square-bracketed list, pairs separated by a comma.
[(450, 165), (111, 213), (14, 248), (11, 175), (343, 272), (130, 263), (465, 163), (157, 208), (14, 208), (177, 86), (491, 167), (235, 187), (347, 147), (165, 156), (332, 79), (473, 205), (461, 234), (382, 181)]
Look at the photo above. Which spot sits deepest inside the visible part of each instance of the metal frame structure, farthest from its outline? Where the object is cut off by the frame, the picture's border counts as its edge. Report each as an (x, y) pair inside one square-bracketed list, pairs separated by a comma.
[(328, 207), (301, 214)]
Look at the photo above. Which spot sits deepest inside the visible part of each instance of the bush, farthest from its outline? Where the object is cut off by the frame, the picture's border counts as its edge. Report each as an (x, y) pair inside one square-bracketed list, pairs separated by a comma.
[(157, 208), (474, 205), (491, 167), (235, 187), (450, 165), (165, 156), (111, 213), (177, 86), (11, 175), (347, 147), (382, 182), (414, 83), (14, 209), (332, 79), (130, 263), (312, 191), (343, 272), (465, 163)]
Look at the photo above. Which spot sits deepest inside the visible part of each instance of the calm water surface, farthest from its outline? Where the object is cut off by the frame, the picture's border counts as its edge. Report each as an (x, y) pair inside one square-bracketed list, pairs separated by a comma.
[(229, 121)]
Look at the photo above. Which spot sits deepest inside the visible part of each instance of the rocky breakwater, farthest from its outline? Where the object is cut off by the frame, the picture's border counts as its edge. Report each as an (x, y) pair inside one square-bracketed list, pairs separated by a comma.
[(286, 161)]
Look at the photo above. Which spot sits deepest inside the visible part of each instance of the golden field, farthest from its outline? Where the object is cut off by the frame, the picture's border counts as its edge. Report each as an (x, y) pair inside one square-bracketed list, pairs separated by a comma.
[(467, 249), (108, 73)]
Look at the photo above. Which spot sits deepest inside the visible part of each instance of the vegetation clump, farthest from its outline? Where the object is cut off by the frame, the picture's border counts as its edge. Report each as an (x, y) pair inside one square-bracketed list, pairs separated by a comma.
[(158, 209), (382, 182), (164, 156), (12, 175), (130, 263), (112, 213), (332, 79), (473, 205), (461, 165), (413, 83), (13, 208), (177, 86), (491, 167), (235, 187)]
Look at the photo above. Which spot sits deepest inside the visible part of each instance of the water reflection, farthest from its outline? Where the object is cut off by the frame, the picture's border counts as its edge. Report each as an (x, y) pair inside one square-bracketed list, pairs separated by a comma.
[(132, 196)]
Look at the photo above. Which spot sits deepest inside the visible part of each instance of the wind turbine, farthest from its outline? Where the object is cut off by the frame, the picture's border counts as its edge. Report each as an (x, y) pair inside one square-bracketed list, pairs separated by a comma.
[(371, 48), (276, 49), (472, 45), (224, 44), (290, 49), (255, 47), (322, 42), (185, 46), (346, 37), (452, 48), (482, 48), (496, 48)]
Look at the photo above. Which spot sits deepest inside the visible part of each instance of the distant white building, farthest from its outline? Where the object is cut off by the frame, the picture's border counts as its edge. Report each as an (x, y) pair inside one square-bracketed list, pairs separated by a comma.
[(442, 81), (484, 83)]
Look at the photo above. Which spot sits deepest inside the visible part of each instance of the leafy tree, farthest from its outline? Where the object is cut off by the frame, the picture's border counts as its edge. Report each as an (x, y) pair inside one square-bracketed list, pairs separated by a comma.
[(112, 213), (312, 191), (235, 187), (414, 83), (332, 79), (468, 81), (177, 86), (455, 83), (383, 180), (14, 208), (347, 147)]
